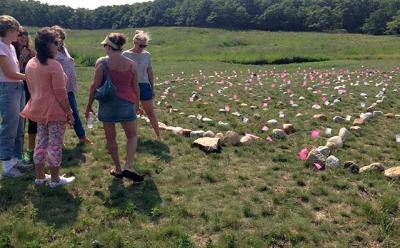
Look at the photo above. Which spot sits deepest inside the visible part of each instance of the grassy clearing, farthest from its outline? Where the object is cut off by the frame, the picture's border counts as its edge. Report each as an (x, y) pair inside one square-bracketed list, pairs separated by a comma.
[(246, 196), (247, 47)]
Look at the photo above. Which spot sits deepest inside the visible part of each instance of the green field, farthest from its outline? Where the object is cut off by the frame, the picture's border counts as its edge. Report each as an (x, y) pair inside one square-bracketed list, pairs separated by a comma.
[(260, 195)]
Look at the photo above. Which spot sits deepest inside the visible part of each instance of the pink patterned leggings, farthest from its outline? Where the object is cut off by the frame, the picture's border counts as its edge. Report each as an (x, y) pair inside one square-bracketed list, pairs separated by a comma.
[(49, 143)]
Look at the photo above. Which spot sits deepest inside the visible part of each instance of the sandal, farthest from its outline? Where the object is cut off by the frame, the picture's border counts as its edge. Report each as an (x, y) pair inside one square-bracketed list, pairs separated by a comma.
[(116, 174), (133, 176)]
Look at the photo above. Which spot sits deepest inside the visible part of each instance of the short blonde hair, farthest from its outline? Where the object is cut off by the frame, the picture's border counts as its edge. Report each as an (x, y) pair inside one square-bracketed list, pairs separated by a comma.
[(141, 35), (60, 31), (7, 24)]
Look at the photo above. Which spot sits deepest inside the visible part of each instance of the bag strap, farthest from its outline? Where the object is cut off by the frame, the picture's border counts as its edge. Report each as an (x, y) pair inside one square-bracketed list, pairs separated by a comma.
[(104, 66)]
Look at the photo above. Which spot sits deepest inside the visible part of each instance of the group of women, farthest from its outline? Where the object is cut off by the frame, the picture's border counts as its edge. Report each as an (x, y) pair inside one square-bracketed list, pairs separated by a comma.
[(39, 85)]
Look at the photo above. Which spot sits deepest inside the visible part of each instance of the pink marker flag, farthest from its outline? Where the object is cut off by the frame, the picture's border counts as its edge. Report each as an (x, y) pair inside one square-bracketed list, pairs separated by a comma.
[(173, 95), (303, 153), (268, 138), (318, 166), (315, 134), (235, 97), (265, 128), (227, 108), (190, 99)]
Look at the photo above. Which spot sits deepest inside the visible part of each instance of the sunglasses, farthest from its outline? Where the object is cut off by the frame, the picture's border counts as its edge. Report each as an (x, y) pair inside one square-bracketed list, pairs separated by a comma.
[(23, 34), (142, 46)]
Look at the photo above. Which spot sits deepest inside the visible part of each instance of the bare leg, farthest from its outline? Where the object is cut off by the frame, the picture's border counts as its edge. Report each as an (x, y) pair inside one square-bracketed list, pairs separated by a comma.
[(31, 141), (39, 169), (149, 109), (112, 145), (130, 129), (55, 173)]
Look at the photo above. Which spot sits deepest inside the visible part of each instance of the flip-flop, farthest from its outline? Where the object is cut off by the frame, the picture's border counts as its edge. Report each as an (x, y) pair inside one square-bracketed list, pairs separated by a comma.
[(133, 176), (115, 174)]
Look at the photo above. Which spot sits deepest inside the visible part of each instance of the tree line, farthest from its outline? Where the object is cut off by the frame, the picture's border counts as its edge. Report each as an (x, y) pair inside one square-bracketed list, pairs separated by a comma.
[(355, 16)]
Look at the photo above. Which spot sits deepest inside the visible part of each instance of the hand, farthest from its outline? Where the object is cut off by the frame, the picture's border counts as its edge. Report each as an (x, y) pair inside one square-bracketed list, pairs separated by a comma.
[(88, 110), (70, 118)]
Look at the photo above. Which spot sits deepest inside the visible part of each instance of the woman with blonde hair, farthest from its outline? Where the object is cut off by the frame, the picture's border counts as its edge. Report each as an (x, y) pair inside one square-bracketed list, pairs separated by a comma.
[(121, 107), (146, 79), (12, 99)]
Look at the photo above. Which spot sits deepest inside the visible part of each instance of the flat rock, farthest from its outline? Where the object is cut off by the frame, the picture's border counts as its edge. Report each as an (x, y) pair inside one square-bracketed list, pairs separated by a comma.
[(207, 144), (316, 106), (231, 138), (177, 130), (376, 167), (390, 115), (186, 132), (352, 166), (358, 122), (162, 125), (344, 133), (209, 134), (372, 107), (272, 122), (219, 135), (288, 128), (377, 113), (393, 172), (334, 142), (249, 139), (197, 134), (278, 134), (332, 161), (356, 129), (321, 117), (338, 119), (315, 157), (324, 150), (366, 116)]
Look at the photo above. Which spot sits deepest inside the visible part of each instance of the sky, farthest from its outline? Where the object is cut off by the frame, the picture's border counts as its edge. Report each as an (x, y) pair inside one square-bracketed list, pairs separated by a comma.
[(90, 4)]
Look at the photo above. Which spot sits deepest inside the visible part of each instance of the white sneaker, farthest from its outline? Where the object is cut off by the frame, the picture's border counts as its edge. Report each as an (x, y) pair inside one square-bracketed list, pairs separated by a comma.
[(63, 181), (43, 181), (13, 172)]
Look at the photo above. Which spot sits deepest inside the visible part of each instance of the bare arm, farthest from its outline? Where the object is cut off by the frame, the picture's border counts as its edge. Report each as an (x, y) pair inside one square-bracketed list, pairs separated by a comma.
[(135, 80), (59, 85), (8, 71), (151, 77), (98, 78)]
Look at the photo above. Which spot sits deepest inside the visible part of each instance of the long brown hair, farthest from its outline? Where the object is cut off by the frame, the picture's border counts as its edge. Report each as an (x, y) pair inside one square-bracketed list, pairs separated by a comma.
[(18, 48)]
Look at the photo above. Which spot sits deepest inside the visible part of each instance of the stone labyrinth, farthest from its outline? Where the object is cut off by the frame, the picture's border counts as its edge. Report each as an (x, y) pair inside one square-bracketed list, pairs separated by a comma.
[(266, 106)]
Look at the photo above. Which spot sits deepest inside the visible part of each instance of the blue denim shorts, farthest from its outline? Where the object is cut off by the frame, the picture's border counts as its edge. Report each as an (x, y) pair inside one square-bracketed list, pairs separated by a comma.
[(116, 110), (146, 92)]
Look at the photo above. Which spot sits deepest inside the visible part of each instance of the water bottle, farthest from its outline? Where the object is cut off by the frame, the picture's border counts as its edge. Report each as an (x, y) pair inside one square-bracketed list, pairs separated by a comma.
[(90, 120)]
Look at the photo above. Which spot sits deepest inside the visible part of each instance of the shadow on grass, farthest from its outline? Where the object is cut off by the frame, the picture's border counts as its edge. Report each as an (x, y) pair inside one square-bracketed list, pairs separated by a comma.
[(142, 198), (56, 207), (14, 191), (155, 148), (73, 156)]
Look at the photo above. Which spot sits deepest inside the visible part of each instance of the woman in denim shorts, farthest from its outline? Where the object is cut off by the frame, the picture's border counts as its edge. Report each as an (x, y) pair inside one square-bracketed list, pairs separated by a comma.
[(121, 108), (146, 78)]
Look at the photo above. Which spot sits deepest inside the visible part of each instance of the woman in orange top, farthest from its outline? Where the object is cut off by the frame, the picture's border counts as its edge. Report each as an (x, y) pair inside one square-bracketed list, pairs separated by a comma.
[(48, 106)]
